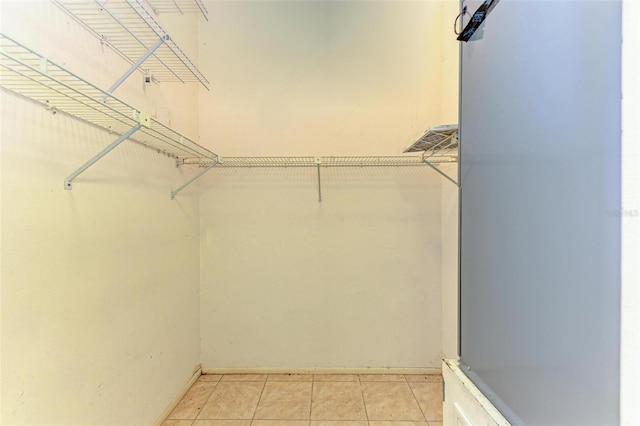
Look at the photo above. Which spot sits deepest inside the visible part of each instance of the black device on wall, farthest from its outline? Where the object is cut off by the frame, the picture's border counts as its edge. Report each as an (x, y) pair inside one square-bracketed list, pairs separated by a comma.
[(477, 19)]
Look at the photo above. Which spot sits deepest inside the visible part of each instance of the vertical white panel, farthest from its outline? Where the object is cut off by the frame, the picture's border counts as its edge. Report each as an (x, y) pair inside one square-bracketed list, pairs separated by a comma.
[(630, 209)]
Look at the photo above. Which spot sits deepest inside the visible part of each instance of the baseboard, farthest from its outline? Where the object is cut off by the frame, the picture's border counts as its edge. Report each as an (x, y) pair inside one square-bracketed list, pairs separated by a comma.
[(165, 413), (464, 403), (321, 370)]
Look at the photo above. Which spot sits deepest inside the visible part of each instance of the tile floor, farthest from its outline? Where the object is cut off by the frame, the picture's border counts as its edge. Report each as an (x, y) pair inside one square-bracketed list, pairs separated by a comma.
[(311, 400)]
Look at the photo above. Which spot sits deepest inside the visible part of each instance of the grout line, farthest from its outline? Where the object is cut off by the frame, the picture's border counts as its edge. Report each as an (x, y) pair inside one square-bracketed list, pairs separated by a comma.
[(418, 402), (364, 402), (264, 384), (213, 389), (313, 381)]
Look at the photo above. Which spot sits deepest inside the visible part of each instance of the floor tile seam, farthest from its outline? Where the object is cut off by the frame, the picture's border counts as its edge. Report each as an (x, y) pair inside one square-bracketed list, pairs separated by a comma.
[(255, 410), (287, 400), (213, 389), (313, 381), (364, 403), (425, 416), (273, 420), (234, 420), (418, 402)]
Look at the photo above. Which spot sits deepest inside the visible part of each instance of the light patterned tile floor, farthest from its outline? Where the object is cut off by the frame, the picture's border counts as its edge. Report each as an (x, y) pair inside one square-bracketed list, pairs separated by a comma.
[(311, 400)]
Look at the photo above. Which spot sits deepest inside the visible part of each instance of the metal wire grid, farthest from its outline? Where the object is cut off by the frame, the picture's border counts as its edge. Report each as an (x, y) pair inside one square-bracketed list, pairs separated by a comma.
[(26, 73), (178, 6), (438, 142), (333, 161), (127, 27), (371, 161), (445, 150), (266, 162)]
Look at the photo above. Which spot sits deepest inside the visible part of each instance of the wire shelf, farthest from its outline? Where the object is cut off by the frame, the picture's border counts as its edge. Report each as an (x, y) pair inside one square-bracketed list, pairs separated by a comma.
[(24, 72), (332, 161), (178, 6), (128, 28), (438, 142)]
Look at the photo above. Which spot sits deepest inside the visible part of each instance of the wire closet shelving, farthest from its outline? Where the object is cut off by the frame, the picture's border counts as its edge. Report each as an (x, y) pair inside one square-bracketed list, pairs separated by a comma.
[(32, 76), (130, 29), (28, 74), (326, 161), (178, 6), (439, 144)]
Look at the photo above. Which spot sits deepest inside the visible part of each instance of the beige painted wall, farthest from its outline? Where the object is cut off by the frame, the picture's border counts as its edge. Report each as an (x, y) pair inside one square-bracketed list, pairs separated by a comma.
[(449, 254), (286, 281), (99, 284), (449, 63), (449, 264), (353, 281), (322, 78)]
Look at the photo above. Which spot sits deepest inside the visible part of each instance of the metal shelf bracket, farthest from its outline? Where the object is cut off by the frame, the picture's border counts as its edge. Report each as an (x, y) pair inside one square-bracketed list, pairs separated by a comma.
[(439, 145), (30, 75), (193, 179), (69, 179), (137, 64), (132, 32), (443, 174), (318, 161)]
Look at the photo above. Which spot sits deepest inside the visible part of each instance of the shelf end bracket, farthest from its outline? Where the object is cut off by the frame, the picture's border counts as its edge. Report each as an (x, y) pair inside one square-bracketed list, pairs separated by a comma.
[(137, 64), (193, 179), (69, 179), (443, 174), (318, 161)]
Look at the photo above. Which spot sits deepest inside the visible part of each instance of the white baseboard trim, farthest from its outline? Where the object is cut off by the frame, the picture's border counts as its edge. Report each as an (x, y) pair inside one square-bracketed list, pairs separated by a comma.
[(165, 413), (464, 403), (321, 370)]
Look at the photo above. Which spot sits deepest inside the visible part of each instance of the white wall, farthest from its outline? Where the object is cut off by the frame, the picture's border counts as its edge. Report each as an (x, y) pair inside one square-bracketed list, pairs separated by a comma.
[(322, 78), (630, 310), (353, 281), (449, 63), (450, 59), (99, 284), (449, 264)]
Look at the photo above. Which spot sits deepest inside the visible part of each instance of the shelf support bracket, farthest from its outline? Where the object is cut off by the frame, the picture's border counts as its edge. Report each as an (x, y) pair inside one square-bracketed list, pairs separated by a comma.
[(318, 161), (68, 181), (425, 161), (193, 179), (137, 64)]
